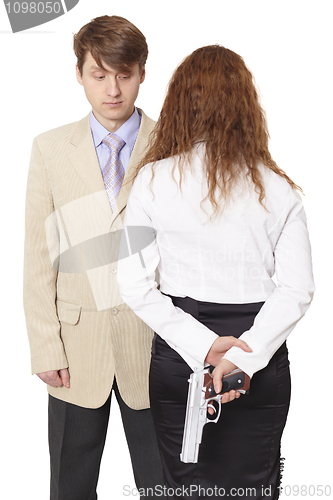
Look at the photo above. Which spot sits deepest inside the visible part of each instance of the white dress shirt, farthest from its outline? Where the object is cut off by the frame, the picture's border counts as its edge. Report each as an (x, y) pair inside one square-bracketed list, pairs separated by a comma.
[(229, 259)]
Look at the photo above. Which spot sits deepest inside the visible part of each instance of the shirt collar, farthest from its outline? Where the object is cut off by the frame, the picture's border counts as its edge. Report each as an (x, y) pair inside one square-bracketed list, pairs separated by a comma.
[(127, 132)]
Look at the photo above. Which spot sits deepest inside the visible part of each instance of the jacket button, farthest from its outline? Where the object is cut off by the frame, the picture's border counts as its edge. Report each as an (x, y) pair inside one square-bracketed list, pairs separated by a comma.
[(114, 270), (115, 310)]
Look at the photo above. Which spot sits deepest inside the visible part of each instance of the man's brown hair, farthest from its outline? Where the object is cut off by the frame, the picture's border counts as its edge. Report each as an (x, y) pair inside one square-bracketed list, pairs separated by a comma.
[(111, 40)]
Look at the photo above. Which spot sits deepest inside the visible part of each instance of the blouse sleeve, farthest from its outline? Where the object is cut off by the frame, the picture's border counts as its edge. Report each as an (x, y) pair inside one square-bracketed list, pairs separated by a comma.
[(289, 300), (139, 289)]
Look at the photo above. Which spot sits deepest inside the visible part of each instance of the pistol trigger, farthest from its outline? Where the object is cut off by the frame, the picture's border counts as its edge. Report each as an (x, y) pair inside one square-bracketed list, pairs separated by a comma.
[(218, 413)]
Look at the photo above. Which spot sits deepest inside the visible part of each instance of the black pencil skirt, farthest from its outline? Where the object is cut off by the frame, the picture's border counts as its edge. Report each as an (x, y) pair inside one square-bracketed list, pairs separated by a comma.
[(239, 456)]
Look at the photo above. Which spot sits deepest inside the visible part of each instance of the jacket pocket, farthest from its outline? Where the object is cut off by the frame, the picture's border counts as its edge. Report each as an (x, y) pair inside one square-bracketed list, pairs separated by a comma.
[(68, 313)]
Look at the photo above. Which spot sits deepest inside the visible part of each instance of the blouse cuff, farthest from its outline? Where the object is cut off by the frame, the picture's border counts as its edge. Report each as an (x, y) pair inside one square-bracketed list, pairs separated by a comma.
[(249, 362)]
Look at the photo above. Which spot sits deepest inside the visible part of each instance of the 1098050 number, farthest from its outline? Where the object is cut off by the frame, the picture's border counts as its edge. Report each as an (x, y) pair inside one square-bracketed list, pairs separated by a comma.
[(305, 490), (33, 7)]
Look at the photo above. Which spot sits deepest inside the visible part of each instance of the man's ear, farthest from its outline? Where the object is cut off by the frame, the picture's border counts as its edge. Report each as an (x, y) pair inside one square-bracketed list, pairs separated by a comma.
[(78, 75), (143, 74)]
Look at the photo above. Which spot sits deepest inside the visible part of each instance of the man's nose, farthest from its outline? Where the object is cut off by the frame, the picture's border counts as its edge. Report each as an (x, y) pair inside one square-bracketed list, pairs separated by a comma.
[(113, 87)]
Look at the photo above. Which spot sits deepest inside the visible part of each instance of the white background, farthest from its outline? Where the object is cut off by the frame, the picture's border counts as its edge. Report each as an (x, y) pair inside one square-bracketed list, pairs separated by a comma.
[(288, 47)]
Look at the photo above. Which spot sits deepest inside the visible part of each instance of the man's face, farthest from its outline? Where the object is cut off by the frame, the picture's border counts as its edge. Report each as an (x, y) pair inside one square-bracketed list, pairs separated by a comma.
[(111, 93)]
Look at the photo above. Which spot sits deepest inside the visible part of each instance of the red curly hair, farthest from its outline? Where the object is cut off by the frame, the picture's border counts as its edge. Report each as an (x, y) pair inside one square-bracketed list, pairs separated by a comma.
[(212, 98)]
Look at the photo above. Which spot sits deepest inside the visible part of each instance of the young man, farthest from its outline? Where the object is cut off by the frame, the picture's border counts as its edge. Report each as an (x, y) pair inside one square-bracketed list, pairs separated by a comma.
[(84, 340)]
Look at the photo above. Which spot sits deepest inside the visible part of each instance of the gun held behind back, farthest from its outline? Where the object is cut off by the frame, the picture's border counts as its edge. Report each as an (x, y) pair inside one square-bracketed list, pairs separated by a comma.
[(201, 393)]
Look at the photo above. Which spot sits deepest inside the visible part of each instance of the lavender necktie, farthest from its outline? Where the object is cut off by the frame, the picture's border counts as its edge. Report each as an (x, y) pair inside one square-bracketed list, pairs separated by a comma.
[(113, 172)]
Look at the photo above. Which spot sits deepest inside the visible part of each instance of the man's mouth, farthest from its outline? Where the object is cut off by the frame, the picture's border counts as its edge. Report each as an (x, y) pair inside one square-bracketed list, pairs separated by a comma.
[(113, 104)]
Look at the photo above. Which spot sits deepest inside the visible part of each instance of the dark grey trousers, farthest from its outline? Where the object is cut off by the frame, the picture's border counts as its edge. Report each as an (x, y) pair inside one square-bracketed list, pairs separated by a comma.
[(76, 442)]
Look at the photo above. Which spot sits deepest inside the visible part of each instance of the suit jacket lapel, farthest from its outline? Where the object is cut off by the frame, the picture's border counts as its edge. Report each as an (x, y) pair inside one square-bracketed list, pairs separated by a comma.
[(85, 161)]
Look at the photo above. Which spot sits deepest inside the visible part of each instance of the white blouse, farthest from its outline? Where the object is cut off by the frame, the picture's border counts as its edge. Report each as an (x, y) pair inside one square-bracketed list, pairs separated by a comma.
[(248, 254)]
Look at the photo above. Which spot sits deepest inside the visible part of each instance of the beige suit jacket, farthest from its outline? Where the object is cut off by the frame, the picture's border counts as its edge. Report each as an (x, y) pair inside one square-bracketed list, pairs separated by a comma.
[(75, 316)]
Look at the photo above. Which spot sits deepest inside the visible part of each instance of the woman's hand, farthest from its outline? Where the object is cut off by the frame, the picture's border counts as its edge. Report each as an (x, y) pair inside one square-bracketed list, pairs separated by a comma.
[(223, 368), (221, 345)]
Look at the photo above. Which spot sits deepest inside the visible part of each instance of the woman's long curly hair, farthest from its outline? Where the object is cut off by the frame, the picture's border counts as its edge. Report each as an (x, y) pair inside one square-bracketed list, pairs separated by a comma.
[(212, 99)]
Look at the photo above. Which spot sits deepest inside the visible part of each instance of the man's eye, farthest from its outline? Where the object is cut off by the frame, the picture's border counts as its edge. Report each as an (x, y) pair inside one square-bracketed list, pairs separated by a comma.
[(99, 77), (123, 77)]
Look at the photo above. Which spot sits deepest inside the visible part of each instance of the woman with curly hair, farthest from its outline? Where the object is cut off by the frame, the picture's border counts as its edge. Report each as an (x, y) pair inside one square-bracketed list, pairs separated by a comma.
[(227, 219)]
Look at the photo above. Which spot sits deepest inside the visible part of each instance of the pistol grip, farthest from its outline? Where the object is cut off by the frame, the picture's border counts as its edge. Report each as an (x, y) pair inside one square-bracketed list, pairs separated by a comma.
[(236, 380)]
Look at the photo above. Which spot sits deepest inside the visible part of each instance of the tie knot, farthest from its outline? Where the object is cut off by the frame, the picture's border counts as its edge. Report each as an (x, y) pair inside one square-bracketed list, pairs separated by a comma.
[(113, 142)]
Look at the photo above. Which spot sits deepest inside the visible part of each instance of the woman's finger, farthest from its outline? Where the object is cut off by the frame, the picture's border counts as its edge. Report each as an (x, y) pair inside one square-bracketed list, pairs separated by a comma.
[(243, 345)]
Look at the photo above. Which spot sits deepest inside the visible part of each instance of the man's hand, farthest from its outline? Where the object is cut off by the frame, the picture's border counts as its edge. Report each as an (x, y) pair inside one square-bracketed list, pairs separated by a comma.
[(220, 346), (55, 378)]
